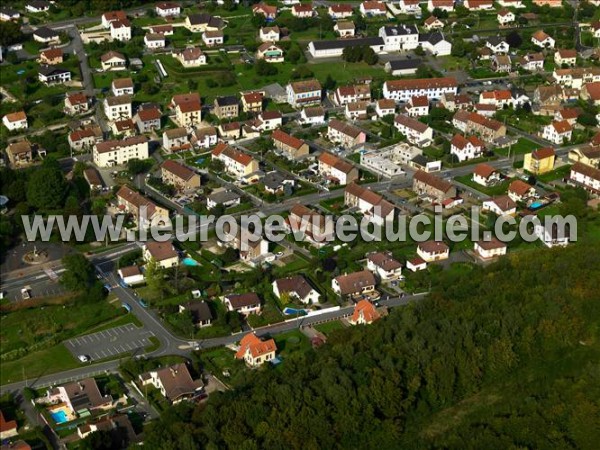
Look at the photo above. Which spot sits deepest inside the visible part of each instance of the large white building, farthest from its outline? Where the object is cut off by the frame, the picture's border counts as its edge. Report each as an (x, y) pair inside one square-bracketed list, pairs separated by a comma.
[(399, 37), (115, 153), (328, 49), (433, 88), (304, 93), (118, 108)]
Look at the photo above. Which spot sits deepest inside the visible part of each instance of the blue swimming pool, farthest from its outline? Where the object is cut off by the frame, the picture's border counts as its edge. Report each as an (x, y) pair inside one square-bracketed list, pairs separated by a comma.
[(536, 205), (294, 311), (190, 262), (59, 416)]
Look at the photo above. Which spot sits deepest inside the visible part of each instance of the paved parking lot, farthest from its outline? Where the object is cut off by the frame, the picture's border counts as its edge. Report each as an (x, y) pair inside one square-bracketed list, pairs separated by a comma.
[(107, 343)]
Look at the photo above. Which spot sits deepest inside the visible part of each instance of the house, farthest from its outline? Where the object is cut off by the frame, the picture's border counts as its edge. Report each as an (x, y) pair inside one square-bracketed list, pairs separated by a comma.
[(167, 9), (277, 183), (354, 284), (542, 40), (176, 140), (488, 129), (371, 204), (163, 253), (223, 198), (295, 288), (291, 147), (226, 107), (352, 93), (175, 382), (131, 275), (37, 6), (519, 191), (532, 62), (268, 120), (558, 132), (409, 7), (590, 155), (204, 137), (511, 3), (435, 43), (497, 45), (479, 5), (270, 52), (303, 11), (268, 11), (539, 161), (551, 236), (433, 23), (269, 34), (51, 56), (485, 175), (198, 23), (230, 130), (339, 11), (115, 153), (50, 75), (81, 397), (166, 30), (19, 153), (245, 304), (401, 37), (385, 107), (444, 5), (15, 121), (118, 107), (433, 251), (200, 313), (505, 17), (93, 178), (585, 176), (576, 77), (122, 86), (312, 116), (465, 148), (152, 41), (371, 8), (336, 169), (345, 134), (9, 14), (399, 67), (364, 313), (113, 61), (255, 351), (433, 88), (344, 28), (237, 163), (303, 93), (108, 425), (565, 57), (452, 102), (252, 102), (123, 128), (144, 211), (428, 185), (356, 110), (332, 48), (8, 428), (120, 30), (309, 225), (46, 35), (84, 139), (417, 106), (416, 132), (188, 110), (501, 206), (148, 119), (178, 175), (485, 109), (384, 265), (591, 92), (498, 98), (213, 37), (490, 249), (502, 63), (109, 17)]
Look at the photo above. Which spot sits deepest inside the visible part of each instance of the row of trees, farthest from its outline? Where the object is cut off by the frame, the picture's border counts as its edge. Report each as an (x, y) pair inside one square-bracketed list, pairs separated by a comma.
[(483, 335)]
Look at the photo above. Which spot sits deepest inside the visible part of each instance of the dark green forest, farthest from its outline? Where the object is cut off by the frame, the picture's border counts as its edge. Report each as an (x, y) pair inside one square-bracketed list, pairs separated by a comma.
[(501, 357)]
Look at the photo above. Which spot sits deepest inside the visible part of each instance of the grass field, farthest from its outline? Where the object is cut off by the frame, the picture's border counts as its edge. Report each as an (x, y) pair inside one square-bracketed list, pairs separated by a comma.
[(522, 146), (498, 189), (329, 327), (36, 364)]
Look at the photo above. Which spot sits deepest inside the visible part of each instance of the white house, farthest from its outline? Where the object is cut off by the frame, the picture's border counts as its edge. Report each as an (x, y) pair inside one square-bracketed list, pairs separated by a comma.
[(497, 45), (336, 169), (586, 176), (444, 5), (385, 107), (116, 153), (384, 265), (167, 9), (153, 41), (409, 6), (501, 206), (435, 43), (245, 304), (312, 115), (551, 235), (15, 121), (490, 249), (344, 28), (416, 132), (466, 148), (542, 40), (131, 275), (372, 8), (399, 37), (118, 108), (565, 56), (295, 288), (303, 93), (163, 253), (558, 132), (269, 34), (37, 6), (190, 57), (485, 175), (120, 30), (417, 106), (403, 90), (213, 37), (371, 204), (433, 251), (255, 351), (50, 75), (505, 17), (122, 86)]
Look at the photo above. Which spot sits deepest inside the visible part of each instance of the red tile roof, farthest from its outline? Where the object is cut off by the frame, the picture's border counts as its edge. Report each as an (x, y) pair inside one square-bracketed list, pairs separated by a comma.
[(421, 83), (543, 153), (286, 139), (255, 346), (366, 310), (232, 153), (178, 169)]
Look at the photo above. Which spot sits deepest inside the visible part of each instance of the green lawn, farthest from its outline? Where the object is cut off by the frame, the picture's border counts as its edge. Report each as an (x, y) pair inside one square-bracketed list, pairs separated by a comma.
[(334, 205), (329, 327), (498, 189), (555, 174), (36, 364), (522, 146), (291, 342)]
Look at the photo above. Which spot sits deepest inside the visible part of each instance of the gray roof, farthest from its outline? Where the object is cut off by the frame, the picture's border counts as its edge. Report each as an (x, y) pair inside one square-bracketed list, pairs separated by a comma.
[(432, 38), (345, 43), (200, 311), (400, 30), (48, 71), (45, 32), (274, 180), (403, 64), (230, 100), (223, 197), (495, 40)]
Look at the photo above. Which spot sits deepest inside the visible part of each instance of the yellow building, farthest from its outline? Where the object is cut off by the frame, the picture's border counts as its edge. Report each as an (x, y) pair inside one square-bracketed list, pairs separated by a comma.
[(540, 161)]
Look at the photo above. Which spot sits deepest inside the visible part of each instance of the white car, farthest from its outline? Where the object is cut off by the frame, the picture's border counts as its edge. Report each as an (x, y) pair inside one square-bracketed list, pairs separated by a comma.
[(83, 358)]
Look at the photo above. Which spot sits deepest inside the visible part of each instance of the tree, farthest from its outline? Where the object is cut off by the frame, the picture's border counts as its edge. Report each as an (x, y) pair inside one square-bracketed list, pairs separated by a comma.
[(419, 51), (47, 188), (461, 11), (216, 165), (587, 119), (370, 57), (265, 69), (155, 277), (459, 48), (329, 83), (136, 166), (514, 39), (10, 33), (78, 274), (294, 55)]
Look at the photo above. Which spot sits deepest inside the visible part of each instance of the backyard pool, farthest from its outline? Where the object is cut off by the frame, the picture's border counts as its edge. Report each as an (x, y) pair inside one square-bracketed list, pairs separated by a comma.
[(536, 205), (190, 262), (59, 416), (293, 311)]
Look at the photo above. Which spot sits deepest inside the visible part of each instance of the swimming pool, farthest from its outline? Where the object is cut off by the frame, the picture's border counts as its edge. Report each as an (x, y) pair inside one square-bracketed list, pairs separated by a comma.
[(59, 416), (190, 262), (536, 205), (290, 311)]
